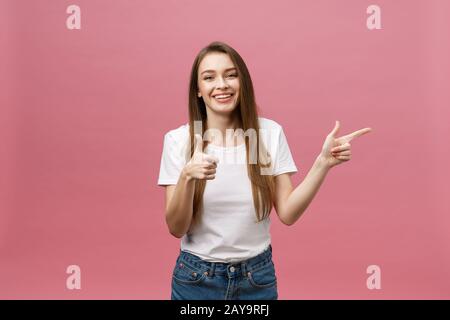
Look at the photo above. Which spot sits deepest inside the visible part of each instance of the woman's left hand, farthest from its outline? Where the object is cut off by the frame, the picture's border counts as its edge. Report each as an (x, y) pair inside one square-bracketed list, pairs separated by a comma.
[(337, 150)]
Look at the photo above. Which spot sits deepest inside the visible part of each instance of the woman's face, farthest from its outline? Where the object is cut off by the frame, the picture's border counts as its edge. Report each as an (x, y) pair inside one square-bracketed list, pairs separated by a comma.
[(218, 76)]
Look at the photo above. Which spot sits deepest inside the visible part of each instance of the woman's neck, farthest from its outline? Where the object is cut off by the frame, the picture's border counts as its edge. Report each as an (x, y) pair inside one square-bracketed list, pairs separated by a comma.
[(222, 123)]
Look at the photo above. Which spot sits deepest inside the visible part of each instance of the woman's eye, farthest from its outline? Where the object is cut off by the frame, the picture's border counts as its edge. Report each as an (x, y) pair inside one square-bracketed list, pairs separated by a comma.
[(230, 75)]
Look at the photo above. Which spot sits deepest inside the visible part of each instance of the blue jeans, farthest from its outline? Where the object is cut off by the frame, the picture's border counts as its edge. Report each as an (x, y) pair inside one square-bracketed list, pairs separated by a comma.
[(251, 279)]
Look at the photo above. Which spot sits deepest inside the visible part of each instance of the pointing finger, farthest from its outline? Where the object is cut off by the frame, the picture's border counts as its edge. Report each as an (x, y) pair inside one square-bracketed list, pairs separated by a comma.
[(356, 134)]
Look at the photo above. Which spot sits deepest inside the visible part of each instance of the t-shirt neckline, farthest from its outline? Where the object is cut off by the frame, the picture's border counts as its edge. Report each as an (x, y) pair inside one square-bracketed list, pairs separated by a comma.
[(213, 146)]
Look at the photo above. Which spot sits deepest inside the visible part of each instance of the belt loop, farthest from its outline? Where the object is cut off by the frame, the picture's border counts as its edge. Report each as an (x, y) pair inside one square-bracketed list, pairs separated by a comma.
[(212, 268), (244, 268)]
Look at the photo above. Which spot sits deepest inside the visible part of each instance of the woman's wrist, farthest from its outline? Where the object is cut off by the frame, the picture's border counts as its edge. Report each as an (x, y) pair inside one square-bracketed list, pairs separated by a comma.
[(185, 174), (322, 163)]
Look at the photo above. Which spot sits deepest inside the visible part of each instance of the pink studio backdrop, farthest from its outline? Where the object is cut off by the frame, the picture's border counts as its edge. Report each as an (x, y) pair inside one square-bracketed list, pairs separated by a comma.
[(84, 112)]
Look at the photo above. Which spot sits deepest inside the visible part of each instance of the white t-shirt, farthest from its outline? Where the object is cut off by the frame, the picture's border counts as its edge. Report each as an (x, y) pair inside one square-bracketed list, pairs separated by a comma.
[(228, 230)]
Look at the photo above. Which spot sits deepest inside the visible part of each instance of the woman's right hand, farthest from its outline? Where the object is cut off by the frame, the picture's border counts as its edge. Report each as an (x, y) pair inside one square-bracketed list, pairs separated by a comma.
[(201, 165)]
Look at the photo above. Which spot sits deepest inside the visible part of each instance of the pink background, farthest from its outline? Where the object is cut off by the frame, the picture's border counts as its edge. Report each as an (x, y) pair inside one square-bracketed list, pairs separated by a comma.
[(83, 114)]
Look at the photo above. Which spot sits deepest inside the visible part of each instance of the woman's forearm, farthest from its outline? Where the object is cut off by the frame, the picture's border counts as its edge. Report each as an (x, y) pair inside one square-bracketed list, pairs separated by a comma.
[(179, 209), (300, 198)]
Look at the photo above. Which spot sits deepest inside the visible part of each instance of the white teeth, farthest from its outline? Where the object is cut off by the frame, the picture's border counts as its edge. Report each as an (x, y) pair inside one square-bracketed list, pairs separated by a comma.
[(223, 96)]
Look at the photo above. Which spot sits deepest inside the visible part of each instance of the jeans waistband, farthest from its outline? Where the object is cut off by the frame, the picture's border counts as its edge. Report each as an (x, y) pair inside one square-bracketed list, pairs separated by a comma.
[(233, 268)]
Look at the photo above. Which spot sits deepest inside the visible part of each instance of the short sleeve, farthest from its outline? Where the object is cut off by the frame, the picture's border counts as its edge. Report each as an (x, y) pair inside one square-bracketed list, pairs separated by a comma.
[(284, 163), (172, 161)]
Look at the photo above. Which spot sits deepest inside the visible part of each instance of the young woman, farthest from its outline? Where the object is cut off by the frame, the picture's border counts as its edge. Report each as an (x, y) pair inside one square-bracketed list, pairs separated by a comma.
[(222, 181)]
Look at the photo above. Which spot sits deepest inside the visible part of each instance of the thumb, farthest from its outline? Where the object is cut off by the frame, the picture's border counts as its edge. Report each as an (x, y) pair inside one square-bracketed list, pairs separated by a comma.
[(198, 143), (335, 130)]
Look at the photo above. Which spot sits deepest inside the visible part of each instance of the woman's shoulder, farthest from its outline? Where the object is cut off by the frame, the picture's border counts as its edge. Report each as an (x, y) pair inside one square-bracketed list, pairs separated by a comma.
[(265, 123), (179, 134)]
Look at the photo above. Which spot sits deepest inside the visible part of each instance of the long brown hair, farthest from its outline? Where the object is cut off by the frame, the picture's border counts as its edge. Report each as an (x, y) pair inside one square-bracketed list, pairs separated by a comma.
[(263, 188)]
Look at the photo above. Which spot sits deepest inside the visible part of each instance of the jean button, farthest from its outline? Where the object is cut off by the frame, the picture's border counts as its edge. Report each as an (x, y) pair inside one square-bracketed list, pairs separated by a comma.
[(232, 269)]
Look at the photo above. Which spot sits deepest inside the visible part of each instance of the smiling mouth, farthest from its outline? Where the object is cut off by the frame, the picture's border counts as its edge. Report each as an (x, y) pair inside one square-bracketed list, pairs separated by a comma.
[(223, 97)]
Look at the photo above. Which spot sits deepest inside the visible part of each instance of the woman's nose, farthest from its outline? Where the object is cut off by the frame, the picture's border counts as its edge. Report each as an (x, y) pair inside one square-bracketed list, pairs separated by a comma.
[(221, 83)]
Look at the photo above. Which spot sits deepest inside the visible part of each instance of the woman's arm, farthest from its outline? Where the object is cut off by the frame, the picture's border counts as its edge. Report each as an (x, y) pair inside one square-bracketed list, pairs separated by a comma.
[(180, 197), (290, 204)]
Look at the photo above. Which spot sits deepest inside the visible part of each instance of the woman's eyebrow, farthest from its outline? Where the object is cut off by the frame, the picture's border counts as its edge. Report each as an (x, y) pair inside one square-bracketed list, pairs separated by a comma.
[(214, 70)]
